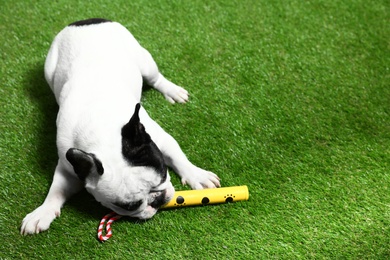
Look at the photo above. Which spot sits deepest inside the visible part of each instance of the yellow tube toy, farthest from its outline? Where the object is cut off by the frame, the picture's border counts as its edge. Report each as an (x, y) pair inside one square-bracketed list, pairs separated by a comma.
[(208, 196)]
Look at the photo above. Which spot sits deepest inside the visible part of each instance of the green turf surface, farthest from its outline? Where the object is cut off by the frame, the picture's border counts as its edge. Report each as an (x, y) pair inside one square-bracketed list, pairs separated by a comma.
[(291, 98)]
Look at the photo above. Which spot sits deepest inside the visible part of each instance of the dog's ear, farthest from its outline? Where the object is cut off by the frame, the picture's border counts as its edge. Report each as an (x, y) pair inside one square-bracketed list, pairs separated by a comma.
[(134, 132), (84, 163), (137, 146)]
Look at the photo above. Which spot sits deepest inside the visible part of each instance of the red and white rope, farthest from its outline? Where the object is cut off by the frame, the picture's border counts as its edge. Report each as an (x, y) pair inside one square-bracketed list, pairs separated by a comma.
[(111, 217)]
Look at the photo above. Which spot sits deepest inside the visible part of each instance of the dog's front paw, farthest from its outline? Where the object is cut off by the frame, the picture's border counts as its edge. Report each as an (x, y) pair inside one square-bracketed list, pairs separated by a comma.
[(176, 94), (39, 220), (199, 179)]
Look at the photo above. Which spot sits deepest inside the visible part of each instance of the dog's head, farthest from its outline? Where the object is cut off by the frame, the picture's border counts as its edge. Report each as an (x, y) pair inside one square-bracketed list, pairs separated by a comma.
[(137, 183)]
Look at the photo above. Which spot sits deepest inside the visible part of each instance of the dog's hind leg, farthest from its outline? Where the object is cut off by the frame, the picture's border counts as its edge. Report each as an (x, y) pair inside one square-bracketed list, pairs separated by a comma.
[(63, 186), (154, 78)]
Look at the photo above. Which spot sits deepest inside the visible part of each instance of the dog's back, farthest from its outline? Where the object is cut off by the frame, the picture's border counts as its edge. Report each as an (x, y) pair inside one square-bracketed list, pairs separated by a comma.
[(98, 56)]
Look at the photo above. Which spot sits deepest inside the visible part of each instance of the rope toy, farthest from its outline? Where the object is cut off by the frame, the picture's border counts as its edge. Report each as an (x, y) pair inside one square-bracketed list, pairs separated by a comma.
[(183, 199), (111, 217)]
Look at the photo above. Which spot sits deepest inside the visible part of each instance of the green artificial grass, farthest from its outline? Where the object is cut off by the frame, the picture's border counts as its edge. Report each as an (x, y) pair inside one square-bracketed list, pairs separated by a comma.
[(290, 98)]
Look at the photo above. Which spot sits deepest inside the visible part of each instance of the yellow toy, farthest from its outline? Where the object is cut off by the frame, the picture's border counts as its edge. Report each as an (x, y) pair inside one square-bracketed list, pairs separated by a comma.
[(208, 196)]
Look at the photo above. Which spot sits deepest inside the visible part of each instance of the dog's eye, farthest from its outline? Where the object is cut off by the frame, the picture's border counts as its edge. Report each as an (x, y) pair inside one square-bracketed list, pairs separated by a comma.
[(129, 206)]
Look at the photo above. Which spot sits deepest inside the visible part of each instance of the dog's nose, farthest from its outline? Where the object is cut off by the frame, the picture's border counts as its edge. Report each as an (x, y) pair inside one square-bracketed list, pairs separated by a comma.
[(159, 200)]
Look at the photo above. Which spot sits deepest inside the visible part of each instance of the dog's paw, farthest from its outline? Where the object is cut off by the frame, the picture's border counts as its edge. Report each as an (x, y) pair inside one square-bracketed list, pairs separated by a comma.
[(39, 220), (176, 94), (199, 179)]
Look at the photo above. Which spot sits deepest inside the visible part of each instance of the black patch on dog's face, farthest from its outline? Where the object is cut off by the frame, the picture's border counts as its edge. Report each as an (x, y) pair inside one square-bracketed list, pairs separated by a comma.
[(89, 22), (138, 148), (159, 200)]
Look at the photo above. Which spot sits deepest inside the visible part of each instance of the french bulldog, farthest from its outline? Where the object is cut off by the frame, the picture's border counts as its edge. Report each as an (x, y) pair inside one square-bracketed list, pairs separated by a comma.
[(106, 141)]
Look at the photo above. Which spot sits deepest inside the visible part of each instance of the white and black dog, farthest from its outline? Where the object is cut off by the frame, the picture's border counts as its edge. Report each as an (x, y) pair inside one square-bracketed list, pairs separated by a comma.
[(106, 141)]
